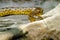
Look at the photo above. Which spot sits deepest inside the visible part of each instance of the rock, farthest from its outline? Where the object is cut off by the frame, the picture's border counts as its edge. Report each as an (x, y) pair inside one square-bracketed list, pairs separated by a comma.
[(9, 30), (46, 29)]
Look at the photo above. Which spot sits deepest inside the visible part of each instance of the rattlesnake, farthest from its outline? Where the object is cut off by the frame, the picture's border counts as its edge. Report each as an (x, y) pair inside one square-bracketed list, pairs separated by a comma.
[(33, 13)]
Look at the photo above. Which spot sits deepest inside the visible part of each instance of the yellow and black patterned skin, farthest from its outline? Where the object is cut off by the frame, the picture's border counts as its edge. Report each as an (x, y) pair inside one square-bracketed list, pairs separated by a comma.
[(33, 13)]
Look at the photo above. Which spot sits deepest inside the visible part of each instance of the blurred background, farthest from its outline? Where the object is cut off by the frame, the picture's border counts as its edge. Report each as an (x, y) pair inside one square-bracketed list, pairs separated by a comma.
[(45, 4)]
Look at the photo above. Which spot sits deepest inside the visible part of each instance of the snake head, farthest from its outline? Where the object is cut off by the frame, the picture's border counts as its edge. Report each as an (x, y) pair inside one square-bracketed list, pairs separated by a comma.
[(37, 13)]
